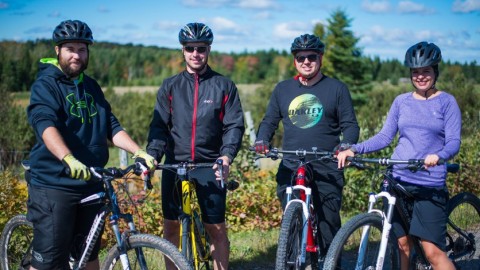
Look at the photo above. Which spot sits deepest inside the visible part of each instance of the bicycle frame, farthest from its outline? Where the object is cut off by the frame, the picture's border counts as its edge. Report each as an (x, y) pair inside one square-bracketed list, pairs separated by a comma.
[(301, 184), (187, 227), (390, 192), (109, 199)]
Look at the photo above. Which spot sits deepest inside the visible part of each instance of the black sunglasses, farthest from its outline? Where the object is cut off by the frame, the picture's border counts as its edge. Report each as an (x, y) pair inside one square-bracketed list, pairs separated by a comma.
[(190, 49), (310, 57)]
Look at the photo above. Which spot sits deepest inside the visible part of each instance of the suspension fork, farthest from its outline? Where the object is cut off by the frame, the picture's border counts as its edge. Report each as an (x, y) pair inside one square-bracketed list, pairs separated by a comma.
[(300, 179)]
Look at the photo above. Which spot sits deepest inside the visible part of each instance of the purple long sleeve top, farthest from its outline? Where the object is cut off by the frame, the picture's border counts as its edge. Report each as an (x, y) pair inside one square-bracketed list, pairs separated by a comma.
[(430, 126)]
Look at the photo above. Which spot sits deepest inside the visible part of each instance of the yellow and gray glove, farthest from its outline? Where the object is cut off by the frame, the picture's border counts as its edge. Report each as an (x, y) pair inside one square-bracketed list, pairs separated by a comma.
[(144, 158), (78, 170)]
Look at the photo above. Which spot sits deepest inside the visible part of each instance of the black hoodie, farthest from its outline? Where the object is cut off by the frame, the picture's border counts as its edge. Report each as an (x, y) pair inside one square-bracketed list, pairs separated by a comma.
[(80, 112)]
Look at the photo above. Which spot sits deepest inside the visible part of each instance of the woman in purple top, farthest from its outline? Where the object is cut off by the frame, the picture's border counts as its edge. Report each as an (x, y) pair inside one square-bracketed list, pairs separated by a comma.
[(428, 122)]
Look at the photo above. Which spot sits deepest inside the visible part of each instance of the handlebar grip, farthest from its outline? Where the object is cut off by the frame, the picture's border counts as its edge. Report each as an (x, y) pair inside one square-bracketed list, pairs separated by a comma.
[(219, 163)]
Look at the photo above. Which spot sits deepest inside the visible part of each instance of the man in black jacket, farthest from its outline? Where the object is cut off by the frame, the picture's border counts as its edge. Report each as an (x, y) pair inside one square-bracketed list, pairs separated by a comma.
[(73, 123), (197, 117), (316, 111)]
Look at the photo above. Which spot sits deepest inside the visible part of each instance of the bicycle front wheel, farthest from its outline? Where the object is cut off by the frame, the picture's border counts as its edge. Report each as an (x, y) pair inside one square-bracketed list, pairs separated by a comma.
[(146, 251), (463, 231), (356, 245), (16, 243), (290, 240)]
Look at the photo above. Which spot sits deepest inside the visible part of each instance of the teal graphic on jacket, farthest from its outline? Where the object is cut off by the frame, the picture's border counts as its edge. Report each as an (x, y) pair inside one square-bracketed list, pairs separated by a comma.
[(305, 111)]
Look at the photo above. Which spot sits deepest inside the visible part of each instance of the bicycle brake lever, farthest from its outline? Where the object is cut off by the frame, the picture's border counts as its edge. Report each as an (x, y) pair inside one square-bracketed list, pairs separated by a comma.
[(145, 175)]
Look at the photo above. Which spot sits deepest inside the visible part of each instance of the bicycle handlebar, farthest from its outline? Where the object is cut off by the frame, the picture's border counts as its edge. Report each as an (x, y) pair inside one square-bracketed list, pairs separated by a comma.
[(101, 174), (411, 163), (273, 152), (191, 165)]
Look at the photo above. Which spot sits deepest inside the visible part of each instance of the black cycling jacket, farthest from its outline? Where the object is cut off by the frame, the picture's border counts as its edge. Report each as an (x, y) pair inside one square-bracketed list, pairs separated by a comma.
[(196, 118)]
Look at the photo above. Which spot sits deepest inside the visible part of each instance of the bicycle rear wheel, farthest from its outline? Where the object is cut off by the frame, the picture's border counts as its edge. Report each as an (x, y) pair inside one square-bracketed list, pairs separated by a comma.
[(290, 239), (344, 252), (155, 251), (16, 243), (463, 231)]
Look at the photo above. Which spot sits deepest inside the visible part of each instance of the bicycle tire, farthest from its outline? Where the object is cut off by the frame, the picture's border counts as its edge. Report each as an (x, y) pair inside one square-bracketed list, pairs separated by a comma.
[(464, 212), (290, 238), (16, 241), (343, 252), (155, 250)]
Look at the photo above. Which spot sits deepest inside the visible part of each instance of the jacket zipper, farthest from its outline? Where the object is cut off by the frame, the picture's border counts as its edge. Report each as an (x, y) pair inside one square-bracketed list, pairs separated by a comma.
[(194, 116)]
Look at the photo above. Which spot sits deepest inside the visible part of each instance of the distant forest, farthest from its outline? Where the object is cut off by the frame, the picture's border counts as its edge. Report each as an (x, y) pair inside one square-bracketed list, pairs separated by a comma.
[(135, 65)]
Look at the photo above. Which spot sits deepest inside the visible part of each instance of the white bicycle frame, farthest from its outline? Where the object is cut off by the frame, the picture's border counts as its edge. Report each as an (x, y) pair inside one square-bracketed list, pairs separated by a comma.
[(306, 214), (387, 225)]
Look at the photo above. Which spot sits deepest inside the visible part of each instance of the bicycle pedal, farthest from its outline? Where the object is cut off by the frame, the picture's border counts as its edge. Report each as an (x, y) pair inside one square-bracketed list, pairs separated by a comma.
[(232, 185)]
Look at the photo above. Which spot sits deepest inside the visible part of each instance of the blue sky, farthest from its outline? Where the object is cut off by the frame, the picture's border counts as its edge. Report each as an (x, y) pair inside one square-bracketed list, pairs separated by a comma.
[(386, 28)]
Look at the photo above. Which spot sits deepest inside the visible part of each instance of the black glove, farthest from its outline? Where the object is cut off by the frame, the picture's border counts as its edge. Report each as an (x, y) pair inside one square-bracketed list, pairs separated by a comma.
[(341, 147), (261, 147)]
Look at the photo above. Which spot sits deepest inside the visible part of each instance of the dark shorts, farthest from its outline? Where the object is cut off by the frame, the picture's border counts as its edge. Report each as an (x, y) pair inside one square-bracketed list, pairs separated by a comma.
[(211, 197), (327, 199), (429, 214), (61, 226)]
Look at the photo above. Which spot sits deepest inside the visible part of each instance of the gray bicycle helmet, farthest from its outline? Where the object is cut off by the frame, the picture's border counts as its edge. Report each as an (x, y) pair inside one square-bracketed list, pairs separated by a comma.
[(307, 42), (195, 32), (72, 31), (423, 54)]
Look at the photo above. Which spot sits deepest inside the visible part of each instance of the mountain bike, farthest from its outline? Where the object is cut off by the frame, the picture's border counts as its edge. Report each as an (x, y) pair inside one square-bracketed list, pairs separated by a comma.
[(299, 239), (133, 250), (194, 242), (366, 242)]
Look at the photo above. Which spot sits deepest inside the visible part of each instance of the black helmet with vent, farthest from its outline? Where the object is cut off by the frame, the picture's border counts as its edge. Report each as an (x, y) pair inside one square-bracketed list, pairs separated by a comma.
[(423, 54), (195, 32), (307, 42), (72, 31)]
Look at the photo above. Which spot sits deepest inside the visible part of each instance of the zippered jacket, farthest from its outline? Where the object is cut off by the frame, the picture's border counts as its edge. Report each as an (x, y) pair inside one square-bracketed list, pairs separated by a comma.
[(80, 112), (196, 118)]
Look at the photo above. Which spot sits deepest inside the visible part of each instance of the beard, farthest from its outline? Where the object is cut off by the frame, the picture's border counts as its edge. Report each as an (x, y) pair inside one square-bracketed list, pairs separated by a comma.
[(69, 70)]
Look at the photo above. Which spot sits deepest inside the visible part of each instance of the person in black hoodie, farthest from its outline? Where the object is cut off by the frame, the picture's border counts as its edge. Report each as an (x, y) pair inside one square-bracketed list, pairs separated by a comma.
[(197, 117), (73, 123), (316, 111)]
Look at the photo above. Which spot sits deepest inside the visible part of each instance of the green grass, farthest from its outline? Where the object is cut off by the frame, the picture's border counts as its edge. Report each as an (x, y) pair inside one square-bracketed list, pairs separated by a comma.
[(253, 249)]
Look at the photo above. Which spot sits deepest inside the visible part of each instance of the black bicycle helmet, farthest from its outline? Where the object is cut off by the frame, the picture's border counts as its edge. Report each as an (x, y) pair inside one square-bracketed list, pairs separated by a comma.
[(72, 31), (195, 32), (423, 54), (307, 42)]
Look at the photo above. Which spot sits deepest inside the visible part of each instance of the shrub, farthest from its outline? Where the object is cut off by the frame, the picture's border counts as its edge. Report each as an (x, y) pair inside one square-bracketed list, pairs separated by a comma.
[(13, 196)]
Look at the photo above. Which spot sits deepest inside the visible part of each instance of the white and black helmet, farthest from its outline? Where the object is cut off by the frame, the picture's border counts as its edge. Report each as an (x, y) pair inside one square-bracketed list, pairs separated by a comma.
[(195, 32)]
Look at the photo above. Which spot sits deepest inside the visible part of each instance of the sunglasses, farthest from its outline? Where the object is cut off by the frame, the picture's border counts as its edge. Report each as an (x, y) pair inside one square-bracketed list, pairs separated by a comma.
[(190, 49), (310, 57)]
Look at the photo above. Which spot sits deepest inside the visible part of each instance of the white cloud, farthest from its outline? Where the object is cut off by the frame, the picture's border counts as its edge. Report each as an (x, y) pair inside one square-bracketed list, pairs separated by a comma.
[(205, 3), (376, 6), (221, 24), (291, 30), (167, 26), (412, 7), (263, 15), (54, 14), (256, 4), (466, 6)]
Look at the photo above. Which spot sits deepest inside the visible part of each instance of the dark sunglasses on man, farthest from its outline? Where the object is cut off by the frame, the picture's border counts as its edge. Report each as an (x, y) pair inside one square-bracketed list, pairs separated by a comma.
[(199, 49), (310, 57)]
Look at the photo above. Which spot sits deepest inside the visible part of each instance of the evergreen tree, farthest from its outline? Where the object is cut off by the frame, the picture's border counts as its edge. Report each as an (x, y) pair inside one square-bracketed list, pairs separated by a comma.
[(343, 58)]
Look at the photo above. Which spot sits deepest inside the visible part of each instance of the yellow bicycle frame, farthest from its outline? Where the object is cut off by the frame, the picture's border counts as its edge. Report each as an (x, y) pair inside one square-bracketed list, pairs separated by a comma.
[(187, 194)]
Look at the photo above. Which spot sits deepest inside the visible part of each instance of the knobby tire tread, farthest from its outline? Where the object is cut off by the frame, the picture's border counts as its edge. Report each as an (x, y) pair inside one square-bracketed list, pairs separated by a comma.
[(10, 226), (149, 241), (354, 224)]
